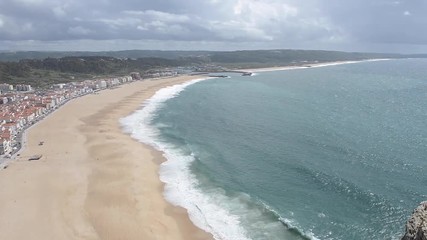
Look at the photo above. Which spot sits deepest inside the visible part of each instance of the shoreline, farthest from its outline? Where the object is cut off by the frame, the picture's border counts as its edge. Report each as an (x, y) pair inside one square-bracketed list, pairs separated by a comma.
[(93, 181), (86, 190), (197, 220), (314, 65)]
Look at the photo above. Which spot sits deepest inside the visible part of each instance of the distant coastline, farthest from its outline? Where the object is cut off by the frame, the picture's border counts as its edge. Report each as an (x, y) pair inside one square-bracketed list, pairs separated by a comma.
[(314, 65)]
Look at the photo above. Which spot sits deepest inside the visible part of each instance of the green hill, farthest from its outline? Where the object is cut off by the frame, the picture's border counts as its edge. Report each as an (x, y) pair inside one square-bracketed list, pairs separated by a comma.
[(44, 68)]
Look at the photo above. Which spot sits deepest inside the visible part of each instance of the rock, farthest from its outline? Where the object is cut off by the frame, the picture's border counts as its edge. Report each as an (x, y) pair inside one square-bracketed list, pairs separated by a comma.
[(416, 227)]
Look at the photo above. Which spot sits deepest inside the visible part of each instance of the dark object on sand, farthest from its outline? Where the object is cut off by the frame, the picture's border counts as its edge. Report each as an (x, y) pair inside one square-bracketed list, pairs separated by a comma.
[(35, 157)]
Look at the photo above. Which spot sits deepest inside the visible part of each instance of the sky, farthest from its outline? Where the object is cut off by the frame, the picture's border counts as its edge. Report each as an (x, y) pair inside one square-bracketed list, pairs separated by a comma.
[(397, 26)]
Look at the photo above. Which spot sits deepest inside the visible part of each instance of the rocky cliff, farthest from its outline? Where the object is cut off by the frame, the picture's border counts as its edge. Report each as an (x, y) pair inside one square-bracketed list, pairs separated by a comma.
[(416, 227)]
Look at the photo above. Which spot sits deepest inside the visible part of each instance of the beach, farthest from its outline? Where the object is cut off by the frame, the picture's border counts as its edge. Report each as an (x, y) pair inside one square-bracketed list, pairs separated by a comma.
[(93, 181), (309, 65)]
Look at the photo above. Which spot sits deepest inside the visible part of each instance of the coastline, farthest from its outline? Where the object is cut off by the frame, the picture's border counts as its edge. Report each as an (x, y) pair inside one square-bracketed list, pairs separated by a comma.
[(95, 199), (305, 66), (93, 181)]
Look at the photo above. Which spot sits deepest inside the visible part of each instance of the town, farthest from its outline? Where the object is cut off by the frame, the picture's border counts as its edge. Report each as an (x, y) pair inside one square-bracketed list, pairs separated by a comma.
[(21, 106)]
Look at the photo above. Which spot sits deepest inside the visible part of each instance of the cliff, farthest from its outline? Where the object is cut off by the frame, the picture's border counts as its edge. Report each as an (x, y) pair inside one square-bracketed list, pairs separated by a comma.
[(416, 227)]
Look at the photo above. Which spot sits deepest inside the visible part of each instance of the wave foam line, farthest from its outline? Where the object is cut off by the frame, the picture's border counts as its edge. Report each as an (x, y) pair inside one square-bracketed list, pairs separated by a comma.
[(314, 65), (180, 184), (289, 223)]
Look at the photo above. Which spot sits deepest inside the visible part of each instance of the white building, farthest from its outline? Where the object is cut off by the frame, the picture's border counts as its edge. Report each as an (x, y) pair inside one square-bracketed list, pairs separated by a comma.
[(3, 100), (59, 86), (5, 146), (101, 84), (23, 87), (4, 87)]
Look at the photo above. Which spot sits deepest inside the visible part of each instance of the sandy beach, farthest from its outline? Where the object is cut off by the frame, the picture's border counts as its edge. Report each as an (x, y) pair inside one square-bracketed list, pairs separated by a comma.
[(311, 65), (93, 181)]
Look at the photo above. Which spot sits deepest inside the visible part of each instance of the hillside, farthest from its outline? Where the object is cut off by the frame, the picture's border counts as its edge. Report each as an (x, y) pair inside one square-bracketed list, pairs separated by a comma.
[(44, 68), (44, 72)]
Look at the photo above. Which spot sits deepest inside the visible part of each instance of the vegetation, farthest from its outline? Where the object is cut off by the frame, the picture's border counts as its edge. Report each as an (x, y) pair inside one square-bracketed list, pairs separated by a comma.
[(44, 68), (44, 72), (134, 54)]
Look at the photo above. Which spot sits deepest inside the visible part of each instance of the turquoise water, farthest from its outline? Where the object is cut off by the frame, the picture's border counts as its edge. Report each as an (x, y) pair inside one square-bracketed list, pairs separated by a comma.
[(335, 152)]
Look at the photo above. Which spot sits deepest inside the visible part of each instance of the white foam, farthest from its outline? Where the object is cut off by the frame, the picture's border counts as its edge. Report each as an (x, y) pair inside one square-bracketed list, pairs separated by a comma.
[(180, 184), (315, 65), (347, 62), (291, 224)]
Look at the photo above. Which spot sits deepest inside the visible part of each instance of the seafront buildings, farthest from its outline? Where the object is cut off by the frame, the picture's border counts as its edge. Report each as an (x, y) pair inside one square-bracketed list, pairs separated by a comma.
[(21, 106)]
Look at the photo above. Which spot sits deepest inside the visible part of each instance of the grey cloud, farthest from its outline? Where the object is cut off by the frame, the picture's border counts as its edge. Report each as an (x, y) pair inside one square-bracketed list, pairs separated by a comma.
[(326, 24), (78, 31), (381, 21)]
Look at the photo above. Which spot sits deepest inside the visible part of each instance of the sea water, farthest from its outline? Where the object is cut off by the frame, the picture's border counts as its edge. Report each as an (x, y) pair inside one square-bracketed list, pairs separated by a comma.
[(335, 152)]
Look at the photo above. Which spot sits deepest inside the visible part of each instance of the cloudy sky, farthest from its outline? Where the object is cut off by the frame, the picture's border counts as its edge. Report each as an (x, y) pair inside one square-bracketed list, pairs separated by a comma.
[(349, 25)]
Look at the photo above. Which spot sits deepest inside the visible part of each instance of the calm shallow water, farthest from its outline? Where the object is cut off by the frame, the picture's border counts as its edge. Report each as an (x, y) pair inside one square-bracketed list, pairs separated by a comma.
[(335, 152)]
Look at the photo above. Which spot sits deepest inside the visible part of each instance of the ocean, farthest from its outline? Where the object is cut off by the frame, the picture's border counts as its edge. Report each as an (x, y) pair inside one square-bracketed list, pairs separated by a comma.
[(333, 152)]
